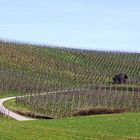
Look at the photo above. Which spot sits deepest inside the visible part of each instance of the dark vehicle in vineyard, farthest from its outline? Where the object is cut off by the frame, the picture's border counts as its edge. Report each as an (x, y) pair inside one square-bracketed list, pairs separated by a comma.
[(120, 78)]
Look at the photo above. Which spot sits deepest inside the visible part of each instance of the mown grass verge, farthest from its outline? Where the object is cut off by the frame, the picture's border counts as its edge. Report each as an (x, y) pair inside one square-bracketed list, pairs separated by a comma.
[(4, 94), (99, 127)]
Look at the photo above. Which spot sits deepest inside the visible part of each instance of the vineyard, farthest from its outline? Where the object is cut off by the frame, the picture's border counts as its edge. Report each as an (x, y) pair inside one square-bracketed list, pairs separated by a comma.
[(82, 77)]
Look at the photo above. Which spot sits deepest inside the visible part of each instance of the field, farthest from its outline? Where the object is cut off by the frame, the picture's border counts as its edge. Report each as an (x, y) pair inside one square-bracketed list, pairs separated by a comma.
[(58, 83), (100, 127)]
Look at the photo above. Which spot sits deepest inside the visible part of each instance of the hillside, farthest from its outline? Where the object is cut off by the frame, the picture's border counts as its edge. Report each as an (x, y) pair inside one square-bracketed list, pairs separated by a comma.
[(32, 68), (87, 76), (26, 68)]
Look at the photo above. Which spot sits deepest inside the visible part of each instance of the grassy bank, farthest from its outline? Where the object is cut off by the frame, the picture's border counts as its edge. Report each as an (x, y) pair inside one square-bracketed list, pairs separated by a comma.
[(100, 127)]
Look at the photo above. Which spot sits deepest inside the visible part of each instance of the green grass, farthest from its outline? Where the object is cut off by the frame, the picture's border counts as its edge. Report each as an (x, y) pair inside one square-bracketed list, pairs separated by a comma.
[(112, 127), (4, 94), (100, 127)]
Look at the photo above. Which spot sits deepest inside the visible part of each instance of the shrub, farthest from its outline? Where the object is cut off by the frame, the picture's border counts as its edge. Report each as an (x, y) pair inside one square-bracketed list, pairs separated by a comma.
[(95, 111)]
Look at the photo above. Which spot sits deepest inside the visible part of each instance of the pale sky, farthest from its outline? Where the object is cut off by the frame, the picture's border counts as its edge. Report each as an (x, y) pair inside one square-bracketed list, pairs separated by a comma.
[(88, 24)]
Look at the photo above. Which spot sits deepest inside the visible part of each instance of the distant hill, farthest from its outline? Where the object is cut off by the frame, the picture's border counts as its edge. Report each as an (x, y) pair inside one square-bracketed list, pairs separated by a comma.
[(32, 68)]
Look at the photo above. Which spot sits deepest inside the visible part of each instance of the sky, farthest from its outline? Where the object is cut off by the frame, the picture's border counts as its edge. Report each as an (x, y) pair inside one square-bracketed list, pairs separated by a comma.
[(85, 24)]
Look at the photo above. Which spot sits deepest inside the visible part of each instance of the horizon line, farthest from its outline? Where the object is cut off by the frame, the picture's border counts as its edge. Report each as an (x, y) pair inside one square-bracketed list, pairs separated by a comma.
[(39, 44)]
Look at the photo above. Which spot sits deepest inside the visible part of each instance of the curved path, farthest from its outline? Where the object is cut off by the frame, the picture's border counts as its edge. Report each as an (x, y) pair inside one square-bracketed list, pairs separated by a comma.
[(18, 117), (11, 114)]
